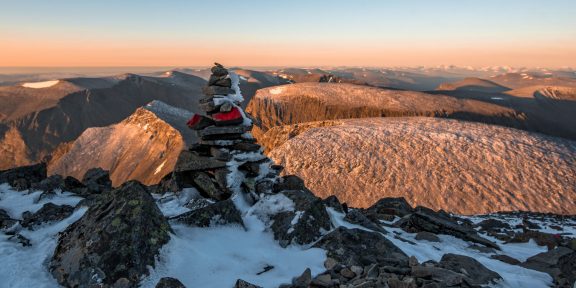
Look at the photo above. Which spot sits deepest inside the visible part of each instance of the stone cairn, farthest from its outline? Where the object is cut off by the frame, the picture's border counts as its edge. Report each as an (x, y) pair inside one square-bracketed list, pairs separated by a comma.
[(226, 160)]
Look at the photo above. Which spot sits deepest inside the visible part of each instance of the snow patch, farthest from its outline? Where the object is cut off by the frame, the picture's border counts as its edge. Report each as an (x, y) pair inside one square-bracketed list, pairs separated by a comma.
[(39, 85), (159, 168)]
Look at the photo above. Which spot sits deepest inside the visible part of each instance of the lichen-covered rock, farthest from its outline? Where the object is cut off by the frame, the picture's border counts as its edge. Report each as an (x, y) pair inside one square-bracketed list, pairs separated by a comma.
[(50, 212), (219, 213), (116, 240), (306, 224), (22, 178), (478, 273), (361, 248), (169, 282)]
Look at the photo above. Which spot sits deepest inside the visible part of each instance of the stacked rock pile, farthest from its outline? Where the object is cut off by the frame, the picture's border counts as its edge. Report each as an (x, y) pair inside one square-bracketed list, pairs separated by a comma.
[(226, 159)]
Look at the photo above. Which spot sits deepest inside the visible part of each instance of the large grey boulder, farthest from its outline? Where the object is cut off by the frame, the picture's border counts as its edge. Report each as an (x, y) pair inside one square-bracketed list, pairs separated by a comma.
[(361, 248), (305, 224), (477, 273), (219, 213), (114, 243)]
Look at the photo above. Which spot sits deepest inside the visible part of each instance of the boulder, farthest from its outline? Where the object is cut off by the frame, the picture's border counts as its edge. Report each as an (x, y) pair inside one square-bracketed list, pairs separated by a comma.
[(420, 221), (447, 277), (5, 220), (543, 239), (391, 206), (354, 216), (22, 178), (169, 282), (506, 259), (556, 262), (208, 187), (49, 185), (361, 248), (333, 202), (190, 161), (492, 224), (219, 213), (304, 280), (243, 284), (125, 219), (477, 273), (97, 180), (305, 224), (48, 213), (290, 182), (427, 236)]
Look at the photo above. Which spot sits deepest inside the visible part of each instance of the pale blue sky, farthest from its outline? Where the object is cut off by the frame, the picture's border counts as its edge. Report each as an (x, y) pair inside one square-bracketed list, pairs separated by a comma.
[(354, 26)]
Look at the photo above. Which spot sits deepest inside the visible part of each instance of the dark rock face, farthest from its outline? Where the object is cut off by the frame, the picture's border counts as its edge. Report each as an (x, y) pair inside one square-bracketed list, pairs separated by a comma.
[(22, 178), (290, 182), (48, 213), (243, 284), (114, 242), (558, 262), (427, 236), (359, 247), (50, 184), (420, 221), (492, 224), (304, 225), (479, 274), (169, 282), (97, 180), (391, 206), (5, 220), (219, 213), (356, 217)]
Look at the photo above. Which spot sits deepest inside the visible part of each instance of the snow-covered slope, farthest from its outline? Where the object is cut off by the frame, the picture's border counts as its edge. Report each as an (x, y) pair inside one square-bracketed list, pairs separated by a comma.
[(218, 256), (445, 164), (144, 147)]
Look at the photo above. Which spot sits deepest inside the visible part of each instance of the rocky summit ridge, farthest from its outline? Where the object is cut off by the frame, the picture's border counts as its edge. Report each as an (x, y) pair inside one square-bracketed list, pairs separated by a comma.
[(87, 233)]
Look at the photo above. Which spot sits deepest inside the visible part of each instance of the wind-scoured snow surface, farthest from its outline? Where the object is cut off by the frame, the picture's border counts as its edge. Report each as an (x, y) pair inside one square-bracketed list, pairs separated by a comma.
[(218, 256), (27, 266), (461, 167)]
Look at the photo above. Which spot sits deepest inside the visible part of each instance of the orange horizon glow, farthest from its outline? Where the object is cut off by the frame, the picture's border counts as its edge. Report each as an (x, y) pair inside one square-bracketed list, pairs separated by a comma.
[(48, 53)]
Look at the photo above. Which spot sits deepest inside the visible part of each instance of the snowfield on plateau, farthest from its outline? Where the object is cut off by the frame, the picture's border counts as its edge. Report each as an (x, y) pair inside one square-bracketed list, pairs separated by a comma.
[(457, 166)]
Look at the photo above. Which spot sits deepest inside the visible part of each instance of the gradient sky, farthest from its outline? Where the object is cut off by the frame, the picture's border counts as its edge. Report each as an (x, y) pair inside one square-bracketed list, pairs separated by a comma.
[(288, 33)]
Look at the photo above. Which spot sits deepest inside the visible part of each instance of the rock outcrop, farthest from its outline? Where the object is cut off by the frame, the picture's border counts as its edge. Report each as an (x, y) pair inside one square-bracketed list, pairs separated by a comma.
[(309, 102), (114, 243)]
